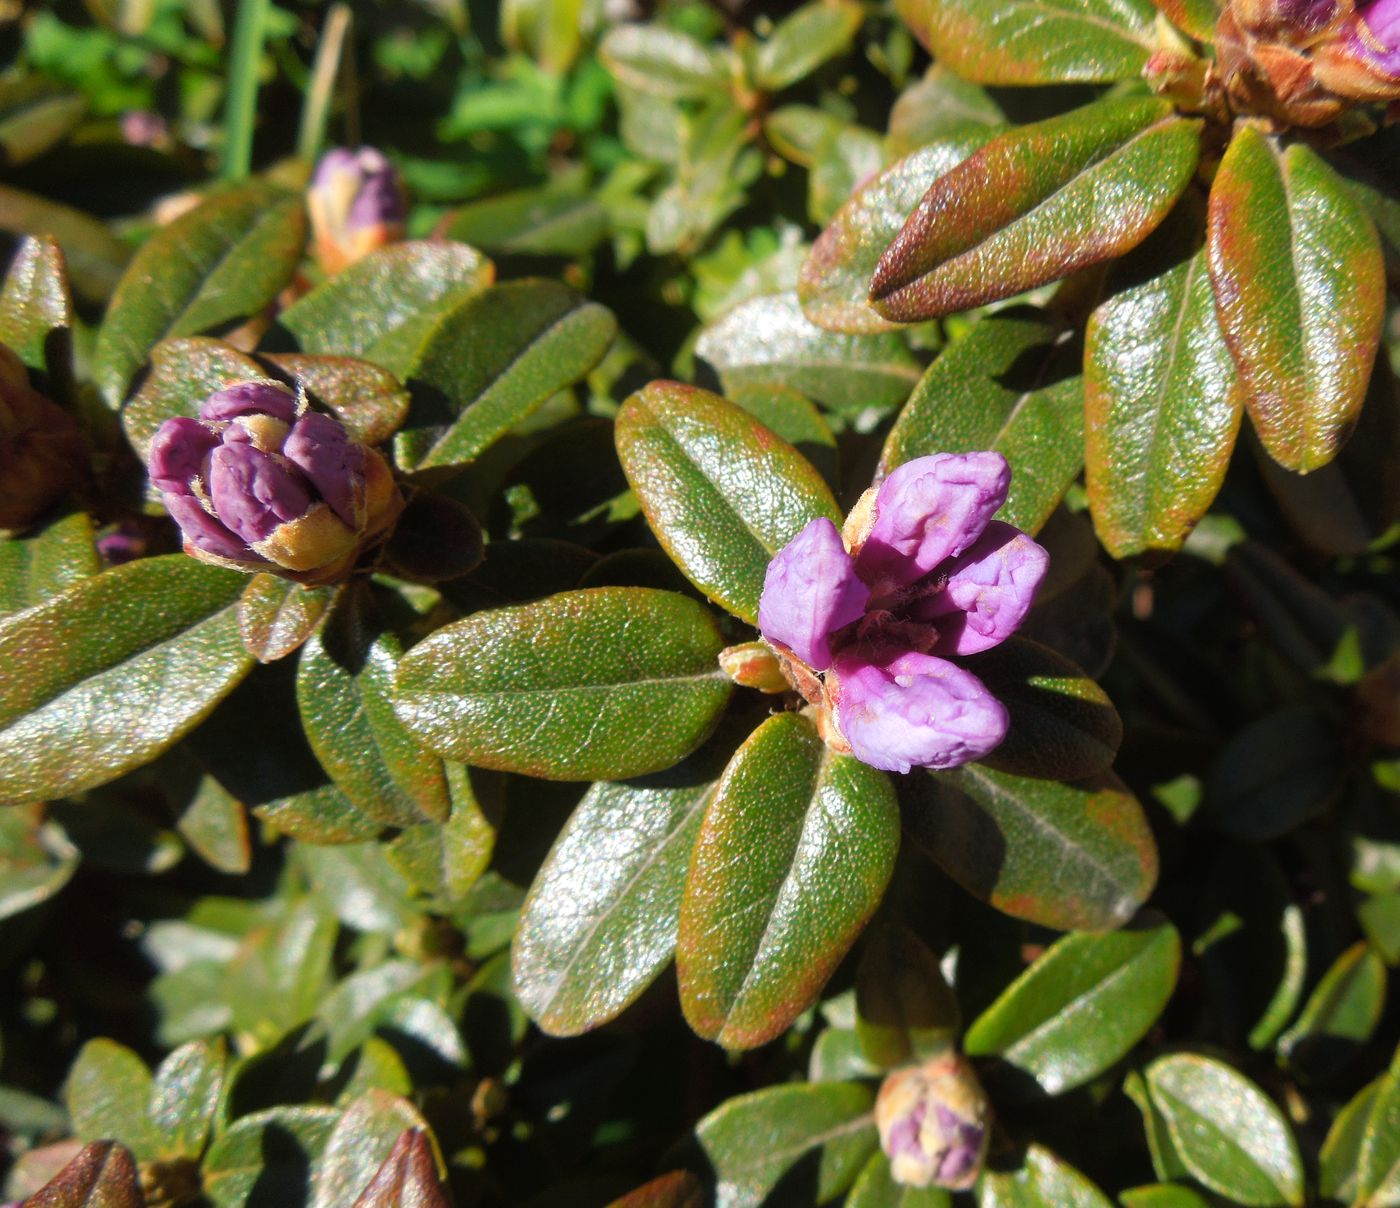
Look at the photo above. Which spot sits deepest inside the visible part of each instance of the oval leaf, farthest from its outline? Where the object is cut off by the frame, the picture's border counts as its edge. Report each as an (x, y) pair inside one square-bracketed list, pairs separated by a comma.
[(600, 684), (407, 1178), (95, 256), (36, 306), (1300, 291), (722, 493), (263, 1158), (1043, 1181), (791, 860), (364, 1138), (46, 560), (275, 616), (1035, 204), (113, 671)]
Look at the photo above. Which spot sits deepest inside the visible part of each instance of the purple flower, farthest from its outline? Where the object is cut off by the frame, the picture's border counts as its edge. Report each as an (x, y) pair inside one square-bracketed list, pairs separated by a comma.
[(1378, 32), (260, 482), (928, 570), (933, 1121), (357, 204)]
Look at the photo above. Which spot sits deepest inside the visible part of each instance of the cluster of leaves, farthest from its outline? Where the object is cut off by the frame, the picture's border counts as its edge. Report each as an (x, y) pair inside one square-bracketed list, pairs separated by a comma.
[(476, 875)]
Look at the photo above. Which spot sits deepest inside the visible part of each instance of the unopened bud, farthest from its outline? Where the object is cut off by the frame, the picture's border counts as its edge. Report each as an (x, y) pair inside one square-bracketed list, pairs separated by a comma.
[(933, 1121), (42, 454), (357, 204), (1364, 61), (754, 665), (261, 482)]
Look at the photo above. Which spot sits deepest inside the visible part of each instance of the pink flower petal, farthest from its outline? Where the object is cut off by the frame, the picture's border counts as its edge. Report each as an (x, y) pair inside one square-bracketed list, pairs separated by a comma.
[(810, 591), (990, 588)]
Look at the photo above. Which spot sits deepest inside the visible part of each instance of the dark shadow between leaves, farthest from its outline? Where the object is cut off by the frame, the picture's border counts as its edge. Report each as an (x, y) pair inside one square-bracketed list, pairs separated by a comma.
[(285, 1177)]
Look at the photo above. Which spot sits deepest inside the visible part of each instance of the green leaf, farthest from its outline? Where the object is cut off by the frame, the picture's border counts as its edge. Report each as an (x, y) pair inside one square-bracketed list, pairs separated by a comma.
[(876, 1188), (1034, 41), (95, 256), (407, 1178), (940, 105), (1360, 1160), (1011, 384), (221, 262), (1228, 1133), (1194, 17), (550, 31), (1081, 1006), (1341, 1014), (1275, 774), (109, 1089), (37, 859), (1038, 203), (1042, 1181), (492, 361), (1162, 405), (215, 825), (363, 1138), (792, 858), (46, 560), (115, 669), (1063, 726), (379, 307), (102, 1175), (552, 220), (1162, 1195), (664, 62), (796, 419), (905, 1010), (834, 287), (601, 684), (185, 1094), (721, 492), (183, 374), (600, 921), (769, 341), (804, 40), (445, 859), (1069, 856), (36, 305), (275, 616), (34, 115), (1165, 1159), (344, 689), (1300, 291), (262, 1160), (825, 1130)]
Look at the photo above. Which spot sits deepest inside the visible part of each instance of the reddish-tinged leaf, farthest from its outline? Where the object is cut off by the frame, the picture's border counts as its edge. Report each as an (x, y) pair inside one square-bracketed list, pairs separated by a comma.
[(1035, 204), (675, 1189), (1300, 290), (101, 1176), (407, 1178), (275, 616)]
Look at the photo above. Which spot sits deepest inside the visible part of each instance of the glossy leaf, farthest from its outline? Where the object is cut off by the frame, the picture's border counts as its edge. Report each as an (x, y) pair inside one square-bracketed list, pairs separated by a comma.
[(792, 858), (407, 1178), (1228, 1133), (116, 669), (46, 560), (562, 218), (876, 1188), (1162, 405), (1360, 1160), (600, 920), (186, 1092), (183, 374), (1081, 1006), (834, 287), (1035, 204), (445, 859), (599, 684), (1300, 292), (102, 1175), (1011, 384), (825, 1130), (675, 1189), (804, 40), (36, 305), (368, 400), (721, 492), (796, 419), (379, 308), (1035, 41), (1341, 1014), (108, 1090), (34, 115), (363, 1138), (936, 106), (223, 261), (1070, 856), (95, 256), (1042, 1181), (663, 62), (1165, 1159), (768, 340), (493, 360), (262, 1159), (37, 859), (275, 616), (1195, 17)]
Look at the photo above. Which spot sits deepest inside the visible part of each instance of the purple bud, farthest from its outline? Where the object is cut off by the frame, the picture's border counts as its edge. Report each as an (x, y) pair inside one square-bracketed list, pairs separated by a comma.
[(1380, 33), (357, 204), (811, 590), (250, 398), (914, 710), (928, 510), (933, 1122), (205, 533), (180, 450), (324, 452), (253, 493)]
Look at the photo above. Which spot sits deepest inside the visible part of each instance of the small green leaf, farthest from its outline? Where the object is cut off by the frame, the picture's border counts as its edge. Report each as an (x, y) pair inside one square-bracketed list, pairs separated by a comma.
[(102, 1175), (876, 1188), (905, 1010), (1035, 41), (1165, 1159), (804, 40), (407, 1178), (1360, 1160), (754, 1140), (36, 306), (792, 858), (38, 860), (1036, 204), (374, 308), (1011, 384), (1070, 856), (600, 920), (600, 684), (1063, 726), (940, 105), (363, 1138), (34, 115), (275, 616), (552, 220), (109, 1090), (1228, 1133), (1194, 17), (1300, 291), (768, 340), (1081, 1006), (221, 262), (1162, 1195), (262, 1160), (1042, 1181), (115, 669), (834, 287), (445, 859), (1341, 1014), (663, 62), (46, 560), (185, 1094), (95, 256), (721, 492), (492, 361)]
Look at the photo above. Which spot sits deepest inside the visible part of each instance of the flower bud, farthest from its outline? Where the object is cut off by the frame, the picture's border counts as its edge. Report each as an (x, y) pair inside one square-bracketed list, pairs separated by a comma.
[(260, 482), (357, 204), (1363, 63), (42, 454), (933, 1121)]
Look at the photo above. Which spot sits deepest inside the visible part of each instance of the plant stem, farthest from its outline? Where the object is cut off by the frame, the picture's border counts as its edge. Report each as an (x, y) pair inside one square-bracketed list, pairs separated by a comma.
[(319, 93), (240, 113)]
